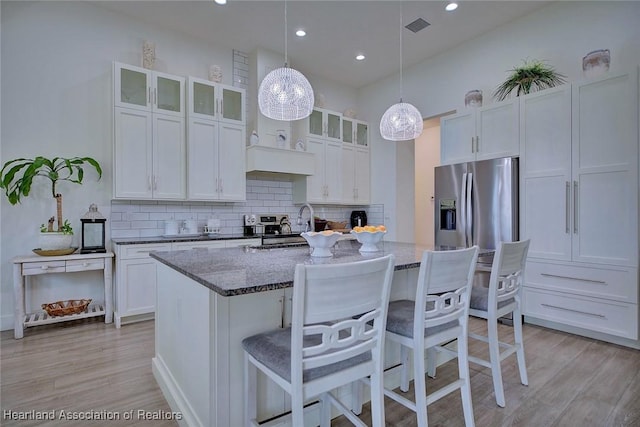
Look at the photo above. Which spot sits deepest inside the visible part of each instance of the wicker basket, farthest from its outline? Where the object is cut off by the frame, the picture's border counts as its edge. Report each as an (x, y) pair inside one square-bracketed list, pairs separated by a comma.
[(63, 308)]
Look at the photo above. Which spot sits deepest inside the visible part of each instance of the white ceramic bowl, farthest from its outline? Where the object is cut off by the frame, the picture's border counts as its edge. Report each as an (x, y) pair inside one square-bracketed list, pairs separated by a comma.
[(321, 242), (369, 239)]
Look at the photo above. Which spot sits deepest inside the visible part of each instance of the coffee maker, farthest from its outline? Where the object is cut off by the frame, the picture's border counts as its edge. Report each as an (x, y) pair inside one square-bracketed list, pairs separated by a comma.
[(358, 219)]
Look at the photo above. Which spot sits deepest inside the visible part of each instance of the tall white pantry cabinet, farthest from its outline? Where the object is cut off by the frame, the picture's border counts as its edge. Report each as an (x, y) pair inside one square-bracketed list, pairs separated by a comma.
[(149, 134), (579, 205)]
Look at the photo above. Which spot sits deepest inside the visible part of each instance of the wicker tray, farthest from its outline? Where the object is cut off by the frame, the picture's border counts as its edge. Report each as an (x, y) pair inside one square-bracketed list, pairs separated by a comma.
[(63, 308)]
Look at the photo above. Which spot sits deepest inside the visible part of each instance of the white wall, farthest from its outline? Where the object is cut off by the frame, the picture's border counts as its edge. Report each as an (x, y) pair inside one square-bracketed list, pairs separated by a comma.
[(560, 33), (57, 101)]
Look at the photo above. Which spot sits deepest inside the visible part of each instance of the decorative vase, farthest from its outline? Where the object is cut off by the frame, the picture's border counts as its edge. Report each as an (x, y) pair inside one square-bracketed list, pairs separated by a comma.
[(148, 55), (215, 73), (281, 138), (254, 139), (349, 113), (320, 100), (473, 98), (596, 63), (55, 240)]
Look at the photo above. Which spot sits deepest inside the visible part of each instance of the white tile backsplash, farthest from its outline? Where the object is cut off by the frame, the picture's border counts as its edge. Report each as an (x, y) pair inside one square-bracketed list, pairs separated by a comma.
[(264, 195)]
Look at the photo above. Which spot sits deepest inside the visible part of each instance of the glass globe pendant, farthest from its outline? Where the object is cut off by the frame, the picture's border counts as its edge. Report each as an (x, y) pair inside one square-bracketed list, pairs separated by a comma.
[(285, 94), (401, 122)]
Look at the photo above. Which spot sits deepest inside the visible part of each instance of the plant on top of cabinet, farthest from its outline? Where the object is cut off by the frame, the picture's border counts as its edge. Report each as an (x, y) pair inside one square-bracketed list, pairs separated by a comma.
[(531, 75), (16, 178)]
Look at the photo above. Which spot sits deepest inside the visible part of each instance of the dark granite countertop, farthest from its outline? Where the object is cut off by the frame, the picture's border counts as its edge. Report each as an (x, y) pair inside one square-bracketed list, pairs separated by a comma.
[(178, 238), (237, 271)]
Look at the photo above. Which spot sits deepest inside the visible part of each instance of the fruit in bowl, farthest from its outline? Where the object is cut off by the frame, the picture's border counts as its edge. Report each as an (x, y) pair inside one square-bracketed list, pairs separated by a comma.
[(321, 242), (369, 236)]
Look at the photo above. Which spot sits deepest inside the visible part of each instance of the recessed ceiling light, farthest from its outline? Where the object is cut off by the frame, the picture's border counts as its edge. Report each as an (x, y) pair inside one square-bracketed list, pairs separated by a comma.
[(451, 6), (301, 33), (221, 1), (359, 57)]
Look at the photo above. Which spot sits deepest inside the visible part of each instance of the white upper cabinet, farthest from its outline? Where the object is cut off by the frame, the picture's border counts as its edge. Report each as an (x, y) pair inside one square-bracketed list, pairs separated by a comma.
[(143, 89), (356, 179), (215, 142), (215, 101), (149, 134), (355, 176), (325, 185), (480, 133)]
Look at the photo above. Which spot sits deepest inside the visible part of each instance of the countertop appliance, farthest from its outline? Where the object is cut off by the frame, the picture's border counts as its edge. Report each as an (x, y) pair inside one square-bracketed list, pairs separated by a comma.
[(477, 204), (249, 228), (277, 230), (358, 219)]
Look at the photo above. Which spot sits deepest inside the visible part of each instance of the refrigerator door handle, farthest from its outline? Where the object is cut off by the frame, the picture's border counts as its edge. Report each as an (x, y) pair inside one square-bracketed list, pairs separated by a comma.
[(469, 211), (463, 207), (567, 190), (575, 207)]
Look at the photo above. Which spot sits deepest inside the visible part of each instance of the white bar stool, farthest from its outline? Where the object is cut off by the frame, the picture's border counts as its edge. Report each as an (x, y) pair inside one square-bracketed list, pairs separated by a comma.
[(438, 315), (503, 296), (336, 338)]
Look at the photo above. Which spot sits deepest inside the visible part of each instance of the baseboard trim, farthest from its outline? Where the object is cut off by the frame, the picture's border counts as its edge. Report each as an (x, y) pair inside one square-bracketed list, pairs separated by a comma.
[(174, 395), (583, 332)]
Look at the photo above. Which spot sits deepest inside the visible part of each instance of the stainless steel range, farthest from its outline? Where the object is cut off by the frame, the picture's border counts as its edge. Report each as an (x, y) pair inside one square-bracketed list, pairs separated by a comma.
[(277, 230)]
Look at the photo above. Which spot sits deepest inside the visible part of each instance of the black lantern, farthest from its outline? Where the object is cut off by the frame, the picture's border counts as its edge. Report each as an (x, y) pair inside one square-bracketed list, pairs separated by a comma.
[(93, 225)]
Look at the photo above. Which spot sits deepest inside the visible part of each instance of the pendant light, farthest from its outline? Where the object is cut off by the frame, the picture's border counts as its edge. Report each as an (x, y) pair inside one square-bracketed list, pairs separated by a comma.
[(285, 94), (401, 121)]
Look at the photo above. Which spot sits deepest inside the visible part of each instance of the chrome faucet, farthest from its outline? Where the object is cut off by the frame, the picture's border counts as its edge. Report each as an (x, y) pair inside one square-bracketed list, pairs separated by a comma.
[(309, 224)]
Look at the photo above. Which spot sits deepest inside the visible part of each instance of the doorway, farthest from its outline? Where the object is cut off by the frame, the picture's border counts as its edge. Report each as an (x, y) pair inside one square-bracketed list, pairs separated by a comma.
[(427, 157)]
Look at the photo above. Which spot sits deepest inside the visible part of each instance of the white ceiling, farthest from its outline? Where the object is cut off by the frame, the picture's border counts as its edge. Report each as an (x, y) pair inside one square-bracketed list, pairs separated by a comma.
[(336, 30)]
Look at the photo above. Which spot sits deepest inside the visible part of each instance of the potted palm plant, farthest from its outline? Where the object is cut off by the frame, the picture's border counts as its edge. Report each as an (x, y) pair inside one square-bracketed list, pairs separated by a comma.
[(530, 76), (16, 178)]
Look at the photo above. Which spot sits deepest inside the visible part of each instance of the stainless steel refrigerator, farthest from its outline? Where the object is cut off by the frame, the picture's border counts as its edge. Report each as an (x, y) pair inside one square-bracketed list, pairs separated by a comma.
[(477, 204)]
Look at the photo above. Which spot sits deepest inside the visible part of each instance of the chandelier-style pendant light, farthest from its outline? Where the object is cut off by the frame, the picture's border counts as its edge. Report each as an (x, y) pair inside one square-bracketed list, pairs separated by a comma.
[(401, 121), (285, 94)]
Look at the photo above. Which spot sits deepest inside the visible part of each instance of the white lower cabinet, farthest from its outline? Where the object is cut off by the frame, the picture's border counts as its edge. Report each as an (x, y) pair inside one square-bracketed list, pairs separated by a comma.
[(135, 275), (590, 297)]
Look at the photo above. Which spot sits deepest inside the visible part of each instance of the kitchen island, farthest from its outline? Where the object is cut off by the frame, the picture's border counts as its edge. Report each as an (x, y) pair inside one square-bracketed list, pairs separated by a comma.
[(208, 300)]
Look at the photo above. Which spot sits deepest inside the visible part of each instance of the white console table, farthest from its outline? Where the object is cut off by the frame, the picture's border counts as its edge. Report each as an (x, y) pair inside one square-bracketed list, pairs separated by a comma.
[(31, 265)]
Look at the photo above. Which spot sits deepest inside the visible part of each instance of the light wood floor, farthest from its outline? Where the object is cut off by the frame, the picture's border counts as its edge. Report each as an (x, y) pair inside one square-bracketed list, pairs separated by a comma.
[(86, 366)]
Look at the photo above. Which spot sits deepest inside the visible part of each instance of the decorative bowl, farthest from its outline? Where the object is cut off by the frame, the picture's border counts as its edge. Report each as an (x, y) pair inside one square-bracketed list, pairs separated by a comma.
[(321, 242), (369, 239)]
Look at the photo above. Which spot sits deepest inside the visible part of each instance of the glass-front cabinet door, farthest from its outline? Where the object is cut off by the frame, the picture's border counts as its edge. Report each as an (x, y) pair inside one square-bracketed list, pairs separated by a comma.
[(201, 98), (142, 89), (213, 101), (231, 104), (132, 87), (333, 126), (168, 94), (325, 123), (347, 131), (362, 134), (316, 123)]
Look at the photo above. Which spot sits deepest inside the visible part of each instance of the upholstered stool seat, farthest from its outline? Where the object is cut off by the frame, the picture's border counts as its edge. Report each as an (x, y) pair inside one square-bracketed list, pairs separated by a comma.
[(400, 319), (273, 350)]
